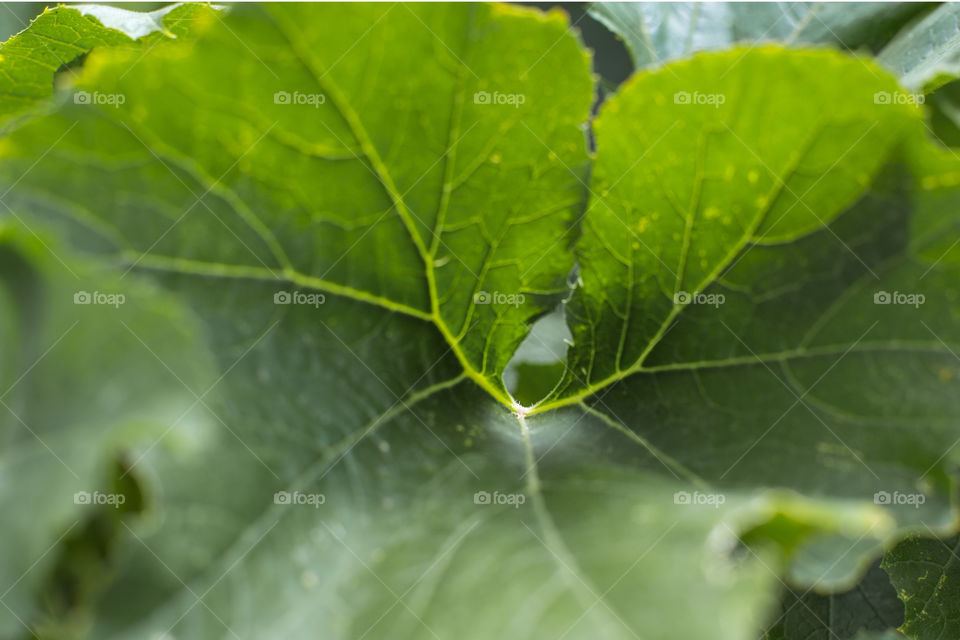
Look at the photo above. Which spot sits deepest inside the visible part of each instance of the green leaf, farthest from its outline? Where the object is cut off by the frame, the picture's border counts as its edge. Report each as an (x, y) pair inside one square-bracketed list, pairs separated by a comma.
[(945, 114), (694, 171), (926, 54), (30, 60), (471, 226), (168, 20), (660, 32), (328, 189), (406, 551), (795, 322), (925, 573), (72, 400), (872, 605), (890, 634)]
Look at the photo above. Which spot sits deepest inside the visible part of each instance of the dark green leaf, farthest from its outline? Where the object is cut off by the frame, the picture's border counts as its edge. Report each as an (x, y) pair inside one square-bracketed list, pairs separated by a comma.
[(926, 573)]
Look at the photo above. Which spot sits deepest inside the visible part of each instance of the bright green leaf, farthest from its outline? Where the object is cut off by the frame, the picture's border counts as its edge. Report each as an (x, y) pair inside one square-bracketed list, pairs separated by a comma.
[(697, 167), (30, 60), (469, 227)]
